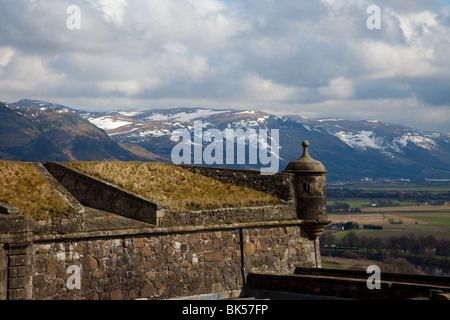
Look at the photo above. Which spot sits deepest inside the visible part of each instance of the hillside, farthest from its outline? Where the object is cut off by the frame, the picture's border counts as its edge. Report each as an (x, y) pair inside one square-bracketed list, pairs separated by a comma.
[(20, 140), (38, 131)]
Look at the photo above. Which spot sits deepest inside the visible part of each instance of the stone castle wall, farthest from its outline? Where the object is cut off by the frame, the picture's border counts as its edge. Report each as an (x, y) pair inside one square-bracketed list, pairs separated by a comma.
[(279, 184), (167, 263), (180, 254), (172, 218)]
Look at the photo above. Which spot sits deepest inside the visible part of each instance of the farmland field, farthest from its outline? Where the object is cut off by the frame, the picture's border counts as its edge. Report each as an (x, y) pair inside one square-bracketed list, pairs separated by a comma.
[(420, 220), (419, 214)]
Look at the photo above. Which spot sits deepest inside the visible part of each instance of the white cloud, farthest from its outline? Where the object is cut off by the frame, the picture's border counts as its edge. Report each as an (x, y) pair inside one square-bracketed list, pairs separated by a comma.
[(207, 8), (307, 57), (6, 54), (417, 25), (25, 75), (113, 10), (339, 88), (128, 88), (259, 89)]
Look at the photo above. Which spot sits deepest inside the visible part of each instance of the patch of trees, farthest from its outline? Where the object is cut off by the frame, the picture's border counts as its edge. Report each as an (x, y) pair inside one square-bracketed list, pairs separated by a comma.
[(353, 226), (383, 203), (393, 221), (372, 227), (339, 206)]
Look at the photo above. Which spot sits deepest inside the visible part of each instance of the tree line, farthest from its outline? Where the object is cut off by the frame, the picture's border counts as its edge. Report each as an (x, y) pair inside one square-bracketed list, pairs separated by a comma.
[(369, 246), (339, 206)]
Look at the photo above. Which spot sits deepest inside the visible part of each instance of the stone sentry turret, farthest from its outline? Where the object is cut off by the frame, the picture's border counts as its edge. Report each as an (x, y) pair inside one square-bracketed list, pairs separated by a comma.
[(309, 182)]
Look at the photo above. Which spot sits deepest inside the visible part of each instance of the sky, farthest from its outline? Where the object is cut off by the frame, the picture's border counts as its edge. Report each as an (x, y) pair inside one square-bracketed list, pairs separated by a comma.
[(313, 58)]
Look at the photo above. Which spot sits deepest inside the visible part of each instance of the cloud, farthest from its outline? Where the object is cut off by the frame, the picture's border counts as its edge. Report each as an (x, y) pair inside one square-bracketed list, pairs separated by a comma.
[(339, 88), (6, 54), (112, 10), (308, 57)]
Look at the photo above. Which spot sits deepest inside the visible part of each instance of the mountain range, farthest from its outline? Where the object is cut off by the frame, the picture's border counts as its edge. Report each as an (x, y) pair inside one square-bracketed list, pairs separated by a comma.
[(41, 131)]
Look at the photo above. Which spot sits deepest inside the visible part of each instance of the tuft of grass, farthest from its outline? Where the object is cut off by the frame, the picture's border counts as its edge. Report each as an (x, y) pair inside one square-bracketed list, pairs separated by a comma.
[(22, 186), (175, 187), (332, 265)]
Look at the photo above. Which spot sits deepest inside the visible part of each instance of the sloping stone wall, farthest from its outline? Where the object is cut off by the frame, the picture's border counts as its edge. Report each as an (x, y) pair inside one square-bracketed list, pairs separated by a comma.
[(94, 193)]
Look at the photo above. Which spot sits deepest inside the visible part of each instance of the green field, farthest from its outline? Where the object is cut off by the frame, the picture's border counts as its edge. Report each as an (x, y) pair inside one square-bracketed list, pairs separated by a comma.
[(438, 220), (356, 203), (397, 187), (332, 265)]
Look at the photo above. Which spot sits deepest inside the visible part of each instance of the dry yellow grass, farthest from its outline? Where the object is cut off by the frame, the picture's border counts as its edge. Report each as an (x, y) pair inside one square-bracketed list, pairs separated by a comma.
[(372, 218), (22, 186), (175, 187)]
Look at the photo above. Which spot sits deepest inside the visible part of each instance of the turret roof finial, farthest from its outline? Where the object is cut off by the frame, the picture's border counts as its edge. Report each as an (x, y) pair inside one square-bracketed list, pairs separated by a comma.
[(305, 145)]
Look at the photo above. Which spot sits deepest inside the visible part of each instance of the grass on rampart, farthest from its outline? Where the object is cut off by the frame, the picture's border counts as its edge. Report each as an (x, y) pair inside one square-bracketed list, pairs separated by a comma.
[(175, 187), (22, 186)]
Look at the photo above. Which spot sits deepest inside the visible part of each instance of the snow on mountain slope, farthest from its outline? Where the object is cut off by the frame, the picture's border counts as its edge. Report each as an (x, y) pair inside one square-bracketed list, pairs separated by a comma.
[(368, 139), (140, 124), (423, 141), (359, 135), (109, 122), (360, 140), (349, 149), (363, 135), (184, 116)]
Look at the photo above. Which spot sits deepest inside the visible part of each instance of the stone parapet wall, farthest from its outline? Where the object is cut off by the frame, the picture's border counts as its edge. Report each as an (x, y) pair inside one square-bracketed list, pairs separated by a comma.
[(170, 218), (167, 262), (310, 283), (279, 184)]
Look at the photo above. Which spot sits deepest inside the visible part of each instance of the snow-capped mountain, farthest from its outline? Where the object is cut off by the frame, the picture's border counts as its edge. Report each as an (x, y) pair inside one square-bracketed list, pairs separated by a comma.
[(377, 135), (35, 130), (349, 149)]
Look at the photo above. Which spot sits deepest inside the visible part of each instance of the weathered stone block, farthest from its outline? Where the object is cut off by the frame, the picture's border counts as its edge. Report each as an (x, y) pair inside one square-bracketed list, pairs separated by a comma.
[(16, 283), (213, 256), (17, 294), (89, 263), (39, 281), (19, 260), (116, 295)]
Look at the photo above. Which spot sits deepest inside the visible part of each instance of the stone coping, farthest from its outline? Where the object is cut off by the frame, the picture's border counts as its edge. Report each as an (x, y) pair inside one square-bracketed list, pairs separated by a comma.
[(8, 209), (351, 286), (165, 230), (92, 179)]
